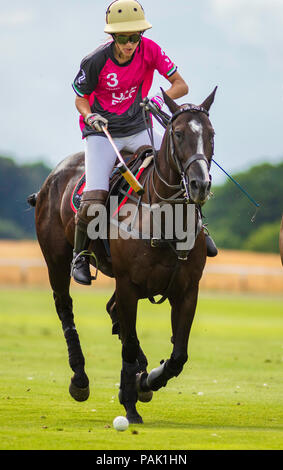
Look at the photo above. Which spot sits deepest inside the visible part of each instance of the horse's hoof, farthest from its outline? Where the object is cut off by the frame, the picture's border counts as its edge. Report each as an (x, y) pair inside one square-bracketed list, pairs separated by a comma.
[(134, 418), (143, 395), (79, 394)]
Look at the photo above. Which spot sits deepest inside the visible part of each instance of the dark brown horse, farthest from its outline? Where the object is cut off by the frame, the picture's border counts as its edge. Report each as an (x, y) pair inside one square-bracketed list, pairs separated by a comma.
[(142, 269), (281, 241)]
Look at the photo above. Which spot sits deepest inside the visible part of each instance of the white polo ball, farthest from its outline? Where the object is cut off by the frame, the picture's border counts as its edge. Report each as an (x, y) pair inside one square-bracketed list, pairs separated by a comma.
[(120, 423)]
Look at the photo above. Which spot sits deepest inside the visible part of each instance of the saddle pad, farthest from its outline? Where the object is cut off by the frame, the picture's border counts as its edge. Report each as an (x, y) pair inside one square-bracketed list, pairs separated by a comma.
[(80, 185), (78, 191), (77, 194)]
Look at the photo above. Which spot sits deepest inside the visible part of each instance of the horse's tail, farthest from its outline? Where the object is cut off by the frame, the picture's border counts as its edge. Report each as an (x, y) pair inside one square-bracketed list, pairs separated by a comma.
[(32, 199)]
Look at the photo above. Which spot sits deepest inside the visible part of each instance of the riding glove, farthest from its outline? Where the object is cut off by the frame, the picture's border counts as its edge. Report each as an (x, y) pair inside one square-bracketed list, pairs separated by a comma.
[(158, 101), (96, 121)]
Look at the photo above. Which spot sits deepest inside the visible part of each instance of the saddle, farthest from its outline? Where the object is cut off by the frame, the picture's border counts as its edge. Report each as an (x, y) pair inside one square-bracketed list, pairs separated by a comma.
[(118, 185)]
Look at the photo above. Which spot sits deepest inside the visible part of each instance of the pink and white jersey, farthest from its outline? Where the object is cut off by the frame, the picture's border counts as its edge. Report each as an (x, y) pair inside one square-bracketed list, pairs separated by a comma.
[(115, 90)]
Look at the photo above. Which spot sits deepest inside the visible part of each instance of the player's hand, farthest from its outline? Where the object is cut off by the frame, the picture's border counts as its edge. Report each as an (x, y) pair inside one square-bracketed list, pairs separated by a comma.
[(95, 121), (157, 101)]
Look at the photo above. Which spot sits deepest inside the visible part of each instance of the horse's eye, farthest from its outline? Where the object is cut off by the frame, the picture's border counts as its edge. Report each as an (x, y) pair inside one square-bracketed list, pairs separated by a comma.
[(179, 135)]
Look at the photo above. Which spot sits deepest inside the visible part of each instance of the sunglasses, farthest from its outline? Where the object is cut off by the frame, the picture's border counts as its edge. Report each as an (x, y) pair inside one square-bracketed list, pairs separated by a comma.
[(125, 39)]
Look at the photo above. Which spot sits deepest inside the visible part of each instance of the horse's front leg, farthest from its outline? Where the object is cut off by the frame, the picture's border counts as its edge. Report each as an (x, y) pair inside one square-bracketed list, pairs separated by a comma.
[(126, 302), (111, 308), (182, 315)]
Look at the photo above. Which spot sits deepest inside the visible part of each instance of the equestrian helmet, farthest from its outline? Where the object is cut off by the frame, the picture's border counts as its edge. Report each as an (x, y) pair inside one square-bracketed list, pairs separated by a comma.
[(125, 16)]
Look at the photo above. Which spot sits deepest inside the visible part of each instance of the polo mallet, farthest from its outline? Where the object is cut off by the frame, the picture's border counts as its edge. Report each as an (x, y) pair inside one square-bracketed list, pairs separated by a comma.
[(122, 167)]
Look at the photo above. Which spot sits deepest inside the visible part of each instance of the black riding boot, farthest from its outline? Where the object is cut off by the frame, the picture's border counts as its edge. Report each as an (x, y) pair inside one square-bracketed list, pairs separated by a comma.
[(80, 264), (80, 269), (211, 249)]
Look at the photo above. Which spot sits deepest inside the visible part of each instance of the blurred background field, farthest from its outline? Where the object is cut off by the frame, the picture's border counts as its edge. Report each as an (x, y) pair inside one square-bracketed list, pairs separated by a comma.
[(248, 257), (22, 264)]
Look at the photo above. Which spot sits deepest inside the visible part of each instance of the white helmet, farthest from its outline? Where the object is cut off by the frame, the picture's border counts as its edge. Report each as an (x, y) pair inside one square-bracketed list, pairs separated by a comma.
[(125, 16)]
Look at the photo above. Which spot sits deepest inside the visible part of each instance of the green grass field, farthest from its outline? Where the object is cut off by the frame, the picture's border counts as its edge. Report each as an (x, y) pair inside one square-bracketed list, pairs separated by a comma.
[(229, 395)]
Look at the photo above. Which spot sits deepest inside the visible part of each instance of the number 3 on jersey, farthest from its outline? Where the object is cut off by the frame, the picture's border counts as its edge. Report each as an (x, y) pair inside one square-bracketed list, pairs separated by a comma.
[(112, 79)]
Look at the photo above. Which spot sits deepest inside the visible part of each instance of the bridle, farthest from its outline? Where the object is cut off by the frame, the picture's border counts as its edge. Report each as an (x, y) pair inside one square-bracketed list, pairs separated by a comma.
[(181, 169)]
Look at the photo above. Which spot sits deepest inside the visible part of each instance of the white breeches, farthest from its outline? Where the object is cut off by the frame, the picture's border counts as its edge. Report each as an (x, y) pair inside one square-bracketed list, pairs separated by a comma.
[(100, 156)]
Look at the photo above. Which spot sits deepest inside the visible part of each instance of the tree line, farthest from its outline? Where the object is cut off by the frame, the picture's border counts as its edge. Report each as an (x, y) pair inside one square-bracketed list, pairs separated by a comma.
[(16, 184), (234, 221), (228, 214)]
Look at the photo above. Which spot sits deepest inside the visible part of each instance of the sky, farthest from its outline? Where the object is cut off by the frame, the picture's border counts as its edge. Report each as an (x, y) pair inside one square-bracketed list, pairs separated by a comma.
[(234, 44)]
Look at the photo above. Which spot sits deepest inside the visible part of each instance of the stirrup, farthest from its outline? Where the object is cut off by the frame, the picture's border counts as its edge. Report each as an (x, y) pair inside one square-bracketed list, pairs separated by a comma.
[(211, 248), (85, 253)]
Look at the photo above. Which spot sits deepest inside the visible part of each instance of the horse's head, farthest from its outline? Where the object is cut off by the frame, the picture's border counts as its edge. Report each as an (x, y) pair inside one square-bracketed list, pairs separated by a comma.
[(191, 140)]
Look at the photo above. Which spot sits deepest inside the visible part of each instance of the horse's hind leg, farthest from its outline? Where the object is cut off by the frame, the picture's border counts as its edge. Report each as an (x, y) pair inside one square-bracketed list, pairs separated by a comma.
[(59, 275)]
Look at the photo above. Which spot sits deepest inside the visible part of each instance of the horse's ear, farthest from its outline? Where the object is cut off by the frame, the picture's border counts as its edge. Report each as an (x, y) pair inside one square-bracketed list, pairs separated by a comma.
[(169, 102), (209, 100)]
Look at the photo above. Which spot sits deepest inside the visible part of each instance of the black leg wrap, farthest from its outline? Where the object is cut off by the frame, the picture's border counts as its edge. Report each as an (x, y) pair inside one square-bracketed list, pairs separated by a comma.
[(128, 393), (76, 358), (159, 377), (177, 364), (142, 360), (79, 386)]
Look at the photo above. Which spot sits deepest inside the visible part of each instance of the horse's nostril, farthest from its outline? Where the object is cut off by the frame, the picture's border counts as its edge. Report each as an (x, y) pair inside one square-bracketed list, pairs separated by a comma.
[(194, 184), (200, 186)]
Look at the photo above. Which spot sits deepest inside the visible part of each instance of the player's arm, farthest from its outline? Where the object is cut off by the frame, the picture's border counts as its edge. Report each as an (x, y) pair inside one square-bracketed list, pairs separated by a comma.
[(82, 105), (178, 87)]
